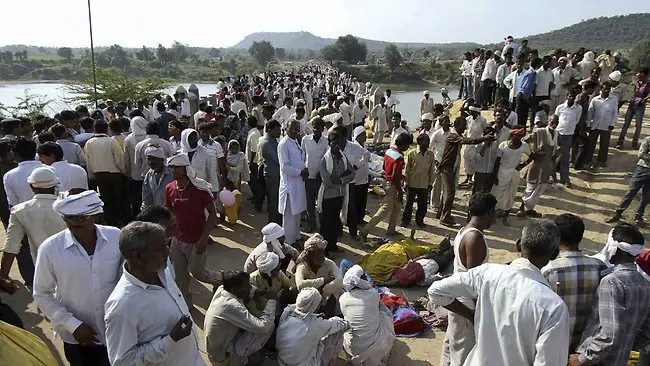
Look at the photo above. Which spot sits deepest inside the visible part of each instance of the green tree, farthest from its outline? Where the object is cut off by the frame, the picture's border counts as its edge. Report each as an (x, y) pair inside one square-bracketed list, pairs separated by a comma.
[(262, 52), (426, 54), (144, 54), (6, 57), (112, 85), (178, 52), (214, 52), (331, 53), (351, 49), (29, 105), (162, 54), (116, 56), (392, 56), (640, 55), (65, 53)]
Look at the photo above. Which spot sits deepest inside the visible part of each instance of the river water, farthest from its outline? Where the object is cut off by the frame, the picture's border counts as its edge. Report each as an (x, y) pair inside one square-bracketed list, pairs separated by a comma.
[(409, 100)]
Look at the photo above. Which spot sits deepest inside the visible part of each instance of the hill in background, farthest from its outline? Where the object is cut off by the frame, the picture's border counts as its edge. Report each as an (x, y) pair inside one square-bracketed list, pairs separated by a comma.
[(616, 33)]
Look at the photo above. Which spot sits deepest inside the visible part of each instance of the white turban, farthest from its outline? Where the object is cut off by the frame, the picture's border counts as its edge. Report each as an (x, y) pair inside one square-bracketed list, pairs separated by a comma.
[(425, 92), (154, 151), (333, 118), (443, 90), (272, 232), (612, 245), (358, 131), (84, 203), (181, 159), (43, 177), (475, 109), (307, 302), (315, 242), (427, 116), (615, 76), (185, 143), (267, 262), (353, 278)]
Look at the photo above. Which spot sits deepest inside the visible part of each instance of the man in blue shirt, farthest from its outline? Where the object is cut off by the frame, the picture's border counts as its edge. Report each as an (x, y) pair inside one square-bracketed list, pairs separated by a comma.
[(524, 88)]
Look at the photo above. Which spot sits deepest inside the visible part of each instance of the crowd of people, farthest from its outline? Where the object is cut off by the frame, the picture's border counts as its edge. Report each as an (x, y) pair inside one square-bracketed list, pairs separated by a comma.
[(109, 214)]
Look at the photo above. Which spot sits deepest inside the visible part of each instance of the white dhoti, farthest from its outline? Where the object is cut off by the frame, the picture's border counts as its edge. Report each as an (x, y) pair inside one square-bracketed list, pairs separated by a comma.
[(459, 341), (245, 345), (532, 194), (506, 191), (469, 161), (291, 224), (332, 345)]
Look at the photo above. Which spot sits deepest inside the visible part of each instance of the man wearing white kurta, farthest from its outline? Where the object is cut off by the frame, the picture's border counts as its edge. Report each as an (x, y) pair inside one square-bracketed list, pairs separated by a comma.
[(518, 319), (293, 198)]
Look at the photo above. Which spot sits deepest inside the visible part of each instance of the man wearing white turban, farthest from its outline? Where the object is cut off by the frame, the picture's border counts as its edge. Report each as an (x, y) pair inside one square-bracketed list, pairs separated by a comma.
[(371, 334), (76, 271), (156, 179), (426, 103), (270, 278), (205, 165), (272, 241), (232, 332), (303, 338), (621, 316), (133, 170), (43, 182), (188, 197)]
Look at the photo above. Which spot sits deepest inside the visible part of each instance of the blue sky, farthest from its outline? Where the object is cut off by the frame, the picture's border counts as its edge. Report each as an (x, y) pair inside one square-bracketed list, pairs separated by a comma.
[(223, 23)]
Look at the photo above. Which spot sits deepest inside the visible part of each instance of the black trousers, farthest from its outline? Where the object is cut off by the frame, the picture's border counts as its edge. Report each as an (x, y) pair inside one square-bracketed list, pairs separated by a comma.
[(135, 197), (420, 196), (112, 188), (356, 206), (85, 356), (260, 187), (25, 262), (448, 194), (273, 194), (603, 148), (483, 182), (522, 106), (330, 222), (488, 87)]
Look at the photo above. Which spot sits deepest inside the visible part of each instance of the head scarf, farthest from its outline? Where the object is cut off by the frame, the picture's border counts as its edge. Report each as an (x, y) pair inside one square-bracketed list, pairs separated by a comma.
[(43, 177), (234, 159), (353, 278), (154, 151), (425, 92), (333, 117), (307, 302), (427, 116), (181, 159), (474, 109), (612, 245), (563, 58), (588, 57), (615, 76), (267, 262), (84, 203), (185, 144), (315, 242), (272, 232), (521, 132), (358, 131), (139, 126), (545, 102)]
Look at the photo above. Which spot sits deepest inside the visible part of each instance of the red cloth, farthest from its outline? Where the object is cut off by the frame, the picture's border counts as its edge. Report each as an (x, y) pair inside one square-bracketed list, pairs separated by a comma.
[(188, 206), (643, 261), (410, 274), (394, 161)]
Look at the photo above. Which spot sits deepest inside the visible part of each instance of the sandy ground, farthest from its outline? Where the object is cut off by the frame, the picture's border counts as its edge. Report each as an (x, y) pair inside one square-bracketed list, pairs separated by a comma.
[(594, 196)]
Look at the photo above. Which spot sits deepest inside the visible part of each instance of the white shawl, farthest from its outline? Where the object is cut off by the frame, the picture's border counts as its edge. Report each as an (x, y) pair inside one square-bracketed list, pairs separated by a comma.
[(329, 165)]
